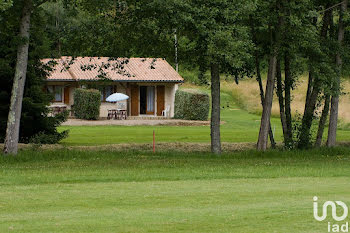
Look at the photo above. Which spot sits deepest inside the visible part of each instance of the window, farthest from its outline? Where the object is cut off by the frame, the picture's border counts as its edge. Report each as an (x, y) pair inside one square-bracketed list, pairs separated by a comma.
[(57, 92), (105, 92)]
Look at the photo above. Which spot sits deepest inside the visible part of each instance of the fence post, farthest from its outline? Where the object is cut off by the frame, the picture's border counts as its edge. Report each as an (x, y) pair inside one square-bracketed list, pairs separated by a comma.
[(154, 142)]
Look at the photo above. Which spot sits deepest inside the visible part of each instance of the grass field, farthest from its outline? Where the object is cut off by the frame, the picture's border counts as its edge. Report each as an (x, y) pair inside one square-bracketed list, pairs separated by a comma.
[(77, 191), (240, 126), (71, 190)]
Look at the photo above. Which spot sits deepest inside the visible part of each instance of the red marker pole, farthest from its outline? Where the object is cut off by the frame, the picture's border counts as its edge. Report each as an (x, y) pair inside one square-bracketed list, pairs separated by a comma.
[(154, 142)]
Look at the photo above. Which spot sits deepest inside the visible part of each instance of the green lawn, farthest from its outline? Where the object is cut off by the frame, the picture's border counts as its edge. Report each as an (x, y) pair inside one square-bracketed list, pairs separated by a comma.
[(105, 191), (240, 126)]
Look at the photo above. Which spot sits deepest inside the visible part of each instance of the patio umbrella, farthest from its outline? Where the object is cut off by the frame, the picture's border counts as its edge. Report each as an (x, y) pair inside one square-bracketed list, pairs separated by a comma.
[(117, 97)]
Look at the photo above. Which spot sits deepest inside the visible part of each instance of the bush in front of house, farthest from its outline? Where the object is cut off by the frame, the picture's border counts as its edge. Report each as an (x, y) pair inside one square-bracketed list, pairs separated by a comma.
[(191, 105), (87, 104)]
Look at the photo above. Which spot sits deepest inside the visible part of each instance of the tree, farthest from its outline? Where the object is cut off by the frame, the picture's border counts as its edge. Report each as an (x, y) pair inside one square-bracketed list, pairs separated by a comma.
[(35, 119), (29, 76), (273, 53), (215, 109), (287, 22), (266, 114), (14, 117), (216, 36), (257, 63), (321, 67), (333, 119), (225, 43)]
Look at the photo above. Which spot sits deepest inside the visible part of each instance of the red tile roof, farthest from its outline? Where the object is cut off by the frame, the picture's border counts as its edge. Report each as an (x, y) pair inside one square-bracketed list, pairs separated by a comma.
[(118, 69)]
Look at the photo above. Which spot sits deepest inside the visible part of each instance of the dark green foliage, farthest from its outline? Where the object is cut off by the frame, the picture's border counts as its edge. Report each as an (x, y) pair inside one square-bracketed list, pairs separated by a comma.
[(191, 105), (87, 104), (297, 131), (34, 118), (53, 137)]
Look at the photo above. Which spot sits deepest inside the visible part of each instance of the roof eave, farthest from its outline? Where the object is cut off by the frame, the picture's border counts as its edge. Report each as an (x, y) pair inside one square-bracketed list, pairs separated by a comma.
[(130, 81)]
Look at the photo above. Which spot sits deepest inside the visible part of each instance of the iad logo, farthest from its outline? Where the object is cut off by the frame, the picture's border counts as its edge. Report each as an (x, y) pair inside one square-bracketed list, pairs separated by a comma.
[(334, 210), (333, 205)]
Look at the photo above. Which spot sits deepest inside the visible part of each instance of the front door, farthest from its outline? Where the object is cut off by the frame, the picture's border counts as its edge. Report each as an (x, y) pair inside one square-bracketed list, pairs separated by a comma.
[(160, 99), (147, 97), (134, 100)]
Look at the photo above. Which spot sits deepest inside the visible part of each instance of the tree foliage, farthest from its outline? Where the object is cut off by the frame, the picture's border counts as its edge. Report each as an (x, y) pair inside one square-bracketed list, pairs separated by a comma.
[(35, 113), (232, 37)]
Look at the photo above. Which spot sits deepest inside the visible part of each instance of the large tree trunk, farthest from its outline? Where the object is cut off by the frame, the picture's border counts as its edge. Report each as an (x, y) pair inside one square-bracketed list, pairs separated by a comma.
[(215, 110), (279, 92), (14, 117), (322, 122), (266, 114), (333, 119)]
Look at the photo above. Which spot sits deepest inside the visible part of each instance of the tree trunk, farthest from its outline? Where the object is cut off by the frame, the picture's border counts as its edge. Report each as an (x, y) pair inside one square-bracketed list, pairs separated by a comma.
[(215, 110), (266, 114), (279, 92), (309, 90), (304, 134), (288, 82), (333, 118), (176, 51), (322, 122), (262, 98), (14, 117), (258, 79)]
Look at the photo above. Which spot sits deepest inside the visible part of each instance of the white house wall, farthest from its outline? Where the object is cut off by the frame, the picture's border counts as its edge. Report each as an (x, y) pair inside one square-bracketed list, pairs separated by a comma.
[(170, 90)]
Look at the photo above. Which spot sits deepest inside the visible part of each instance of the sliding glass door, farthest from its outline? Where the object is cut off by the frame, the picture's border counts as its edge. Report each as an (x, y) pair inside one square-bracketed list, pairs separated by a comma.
[(147, 100), (150, 100)]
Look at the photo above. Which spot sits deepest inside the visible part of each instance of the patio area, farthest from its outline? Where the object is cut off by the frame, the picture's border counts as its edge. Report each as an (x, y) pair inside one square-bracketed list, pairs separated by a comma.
[(134, 121)]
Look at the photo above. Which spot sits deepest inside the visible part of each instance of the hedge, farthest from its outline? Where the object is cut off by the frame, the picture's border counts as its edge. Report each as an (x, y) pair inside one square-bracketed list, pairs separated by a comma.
[(87, 104), (191, 105)]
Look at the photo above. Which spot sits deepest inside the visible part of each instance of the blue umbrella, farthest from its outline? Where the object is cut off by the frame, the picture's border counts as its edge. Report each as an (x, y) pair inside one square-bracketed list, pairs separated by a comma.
[(117, 97)]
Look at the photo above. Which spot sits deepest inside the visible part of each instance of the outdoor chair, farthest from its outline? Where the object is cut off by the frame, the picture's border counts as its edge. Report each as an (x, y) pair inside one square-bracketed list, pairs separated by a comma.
[(111, 114), (166, 111), (122, 114), (118, 115)]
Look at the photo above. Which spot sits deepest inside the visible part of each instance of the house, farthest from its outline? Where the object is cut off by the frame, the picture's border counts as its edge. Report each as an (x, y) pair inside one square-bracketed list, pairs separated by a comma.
[(150, 83)]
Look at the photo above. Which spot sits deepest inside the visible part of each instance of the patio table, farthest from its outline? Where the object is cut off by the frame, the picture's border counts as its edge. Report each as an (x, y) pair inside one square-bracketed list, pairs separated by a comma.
[(118, 114)]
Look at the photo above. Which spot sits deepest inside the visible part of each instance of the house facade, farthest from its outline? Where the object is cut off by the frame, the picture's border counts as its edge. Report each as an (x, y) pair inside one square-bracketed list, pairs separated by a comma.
[(150, 83)]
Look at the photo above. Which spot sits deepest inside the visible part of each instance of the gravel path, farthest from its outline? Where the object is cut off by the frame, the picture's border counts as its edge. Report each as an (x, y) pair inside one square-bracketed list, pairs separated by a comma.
[(162, 146), (170, 122)]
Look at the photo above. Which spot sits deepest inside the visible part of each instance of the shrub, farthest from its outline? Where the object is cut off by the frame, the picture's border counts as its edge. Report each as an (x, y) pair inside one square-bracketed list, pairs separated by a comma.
[(87, 103), (191, 105), (43, 138), (51, 135)]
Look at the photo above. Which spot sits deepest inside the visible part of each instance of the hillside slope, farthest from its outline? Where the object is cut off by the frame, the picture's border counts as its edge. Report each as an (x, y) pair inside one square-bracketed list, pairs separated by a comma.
[(246, 95)]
